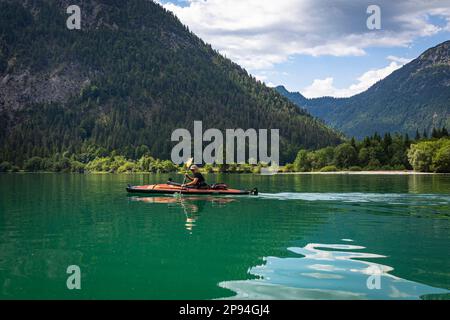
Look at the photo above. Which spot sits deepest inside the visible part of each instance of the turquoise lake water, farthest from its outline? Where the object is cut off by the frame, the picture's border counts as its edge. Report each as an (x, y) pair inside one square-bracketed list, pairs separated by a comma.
[(302, 237)]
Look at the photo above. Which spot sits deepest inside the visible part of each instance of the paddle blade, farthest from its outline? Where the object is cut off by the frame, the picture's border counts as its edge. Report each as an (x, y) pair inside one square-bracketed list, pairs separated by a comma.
[(189, 162)]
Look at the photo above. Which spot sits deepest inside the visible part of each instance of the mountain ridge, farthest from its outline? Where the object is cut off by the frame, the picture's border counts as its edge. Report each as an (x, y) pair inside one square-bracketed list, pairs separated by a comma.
[(414, 97)]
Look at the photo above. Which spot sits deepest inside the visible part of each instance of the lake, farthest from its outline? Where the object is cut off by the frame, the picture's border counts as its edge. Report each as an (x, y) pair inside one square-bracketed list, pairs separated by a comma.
[(302, 237)]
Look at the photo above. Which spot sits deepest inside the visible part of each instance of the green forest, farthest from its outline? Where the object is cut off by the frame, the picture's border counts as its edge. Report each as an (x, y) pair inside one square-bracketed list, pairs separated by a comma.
[(397, 152)]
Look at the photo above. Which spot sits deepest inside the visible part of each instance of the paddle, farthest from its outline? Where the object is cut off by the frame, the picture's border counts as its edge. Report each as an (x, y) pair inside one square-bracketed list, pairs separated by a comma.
[(187, 165)]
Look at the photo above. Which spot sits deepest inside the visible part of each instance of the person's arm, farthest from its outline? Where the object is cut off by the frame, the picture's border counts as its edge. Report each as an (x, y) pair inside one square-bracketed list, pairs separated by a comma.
[(188, 177), (192, 183)]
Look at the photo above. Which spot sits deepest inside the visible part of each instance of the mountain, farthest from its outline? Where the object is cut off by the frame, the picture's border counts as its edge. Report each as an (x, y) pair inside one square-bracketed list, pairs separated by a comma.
[(415, 97), (127, 79)]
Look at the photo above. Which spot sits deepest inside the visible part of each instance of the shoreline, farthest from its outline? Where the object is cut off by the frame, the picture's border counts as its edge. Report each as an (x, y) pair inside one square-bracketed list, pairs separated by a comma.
[(376, 172)]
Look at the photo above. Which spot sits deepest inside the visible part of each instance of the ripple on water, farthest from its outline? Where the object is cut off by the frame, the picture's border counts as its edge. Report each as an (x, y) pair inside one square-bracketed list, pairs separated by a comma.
[(332, 273)]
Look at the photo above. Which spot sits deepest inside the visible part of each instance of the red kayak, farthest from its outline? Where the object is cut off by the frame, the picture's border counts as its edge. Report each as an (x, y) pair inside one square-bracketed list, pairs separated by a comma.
[(172, 188)]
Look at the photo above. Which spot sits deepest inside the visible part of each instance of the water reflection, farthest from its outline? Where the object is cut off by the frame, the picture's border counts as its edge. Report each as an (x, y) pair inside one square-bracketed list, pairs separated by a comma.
[(327, 272), (191, 206)]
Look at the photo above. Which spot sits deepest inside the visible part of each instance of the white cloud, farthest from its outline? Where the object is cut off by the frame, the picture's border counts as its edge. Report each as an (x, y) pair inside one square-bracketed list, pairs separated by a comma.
[(264, 75), (399, 59), (258, 34), (320, 88), (260, 77), (325, 87)]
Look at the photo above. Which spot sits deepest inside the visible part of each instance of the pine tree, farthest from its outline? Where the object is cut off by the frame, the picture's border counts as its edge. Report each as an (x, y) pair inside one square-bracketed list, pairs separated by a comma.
[(406, 141), (377, 137), (387, 140), (435, 133), (417, 138)]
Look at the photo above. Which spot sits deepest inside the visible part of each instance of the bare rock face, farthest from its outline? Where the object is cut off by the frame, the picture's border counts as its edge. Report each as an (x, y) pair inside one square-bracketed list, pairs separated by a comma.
[(438, 56), (94, 13), (22, 87)]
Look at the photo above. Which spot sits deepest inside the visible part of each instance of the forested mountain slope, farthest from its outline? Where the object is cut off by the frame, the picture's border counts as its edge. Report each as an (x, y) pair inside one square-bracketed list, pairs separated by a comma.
[(128, 78)]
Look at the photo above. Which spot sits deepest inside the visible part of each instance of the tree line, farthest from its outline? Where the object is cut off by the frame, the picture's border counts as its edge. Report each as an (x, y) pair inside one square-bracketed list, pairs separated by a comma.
[(390, 152), (94, 159)]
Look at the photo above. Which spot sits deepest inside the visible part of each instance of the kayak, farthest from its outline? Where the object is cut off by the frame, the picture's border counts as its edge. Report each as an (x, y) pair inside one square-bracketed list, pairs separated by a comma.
[(173, 188), (165, 199)]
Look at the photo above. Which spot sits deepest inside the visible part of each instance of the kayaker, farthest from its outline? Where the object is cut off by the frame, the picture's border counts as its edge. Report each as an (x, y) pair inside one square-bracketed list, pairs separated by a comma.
[(197, 180)]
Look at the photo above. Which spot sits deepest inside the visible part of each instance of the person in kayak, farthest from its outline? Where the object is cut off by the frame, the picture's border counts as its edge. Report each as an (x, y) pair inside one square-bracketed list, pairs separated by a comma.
[(197, 180)]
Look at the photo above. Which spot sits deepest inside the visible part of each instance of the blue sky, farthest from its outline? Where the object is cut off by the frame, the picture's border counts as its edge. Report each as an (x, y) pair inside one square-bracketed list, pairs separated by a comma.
[(317, 47)]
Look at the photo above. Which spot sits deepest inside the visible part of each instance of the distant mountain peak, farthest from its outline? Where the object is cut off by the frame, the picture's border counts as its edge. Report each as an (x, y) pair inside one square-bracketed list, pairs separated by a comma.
[(282, 88)]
